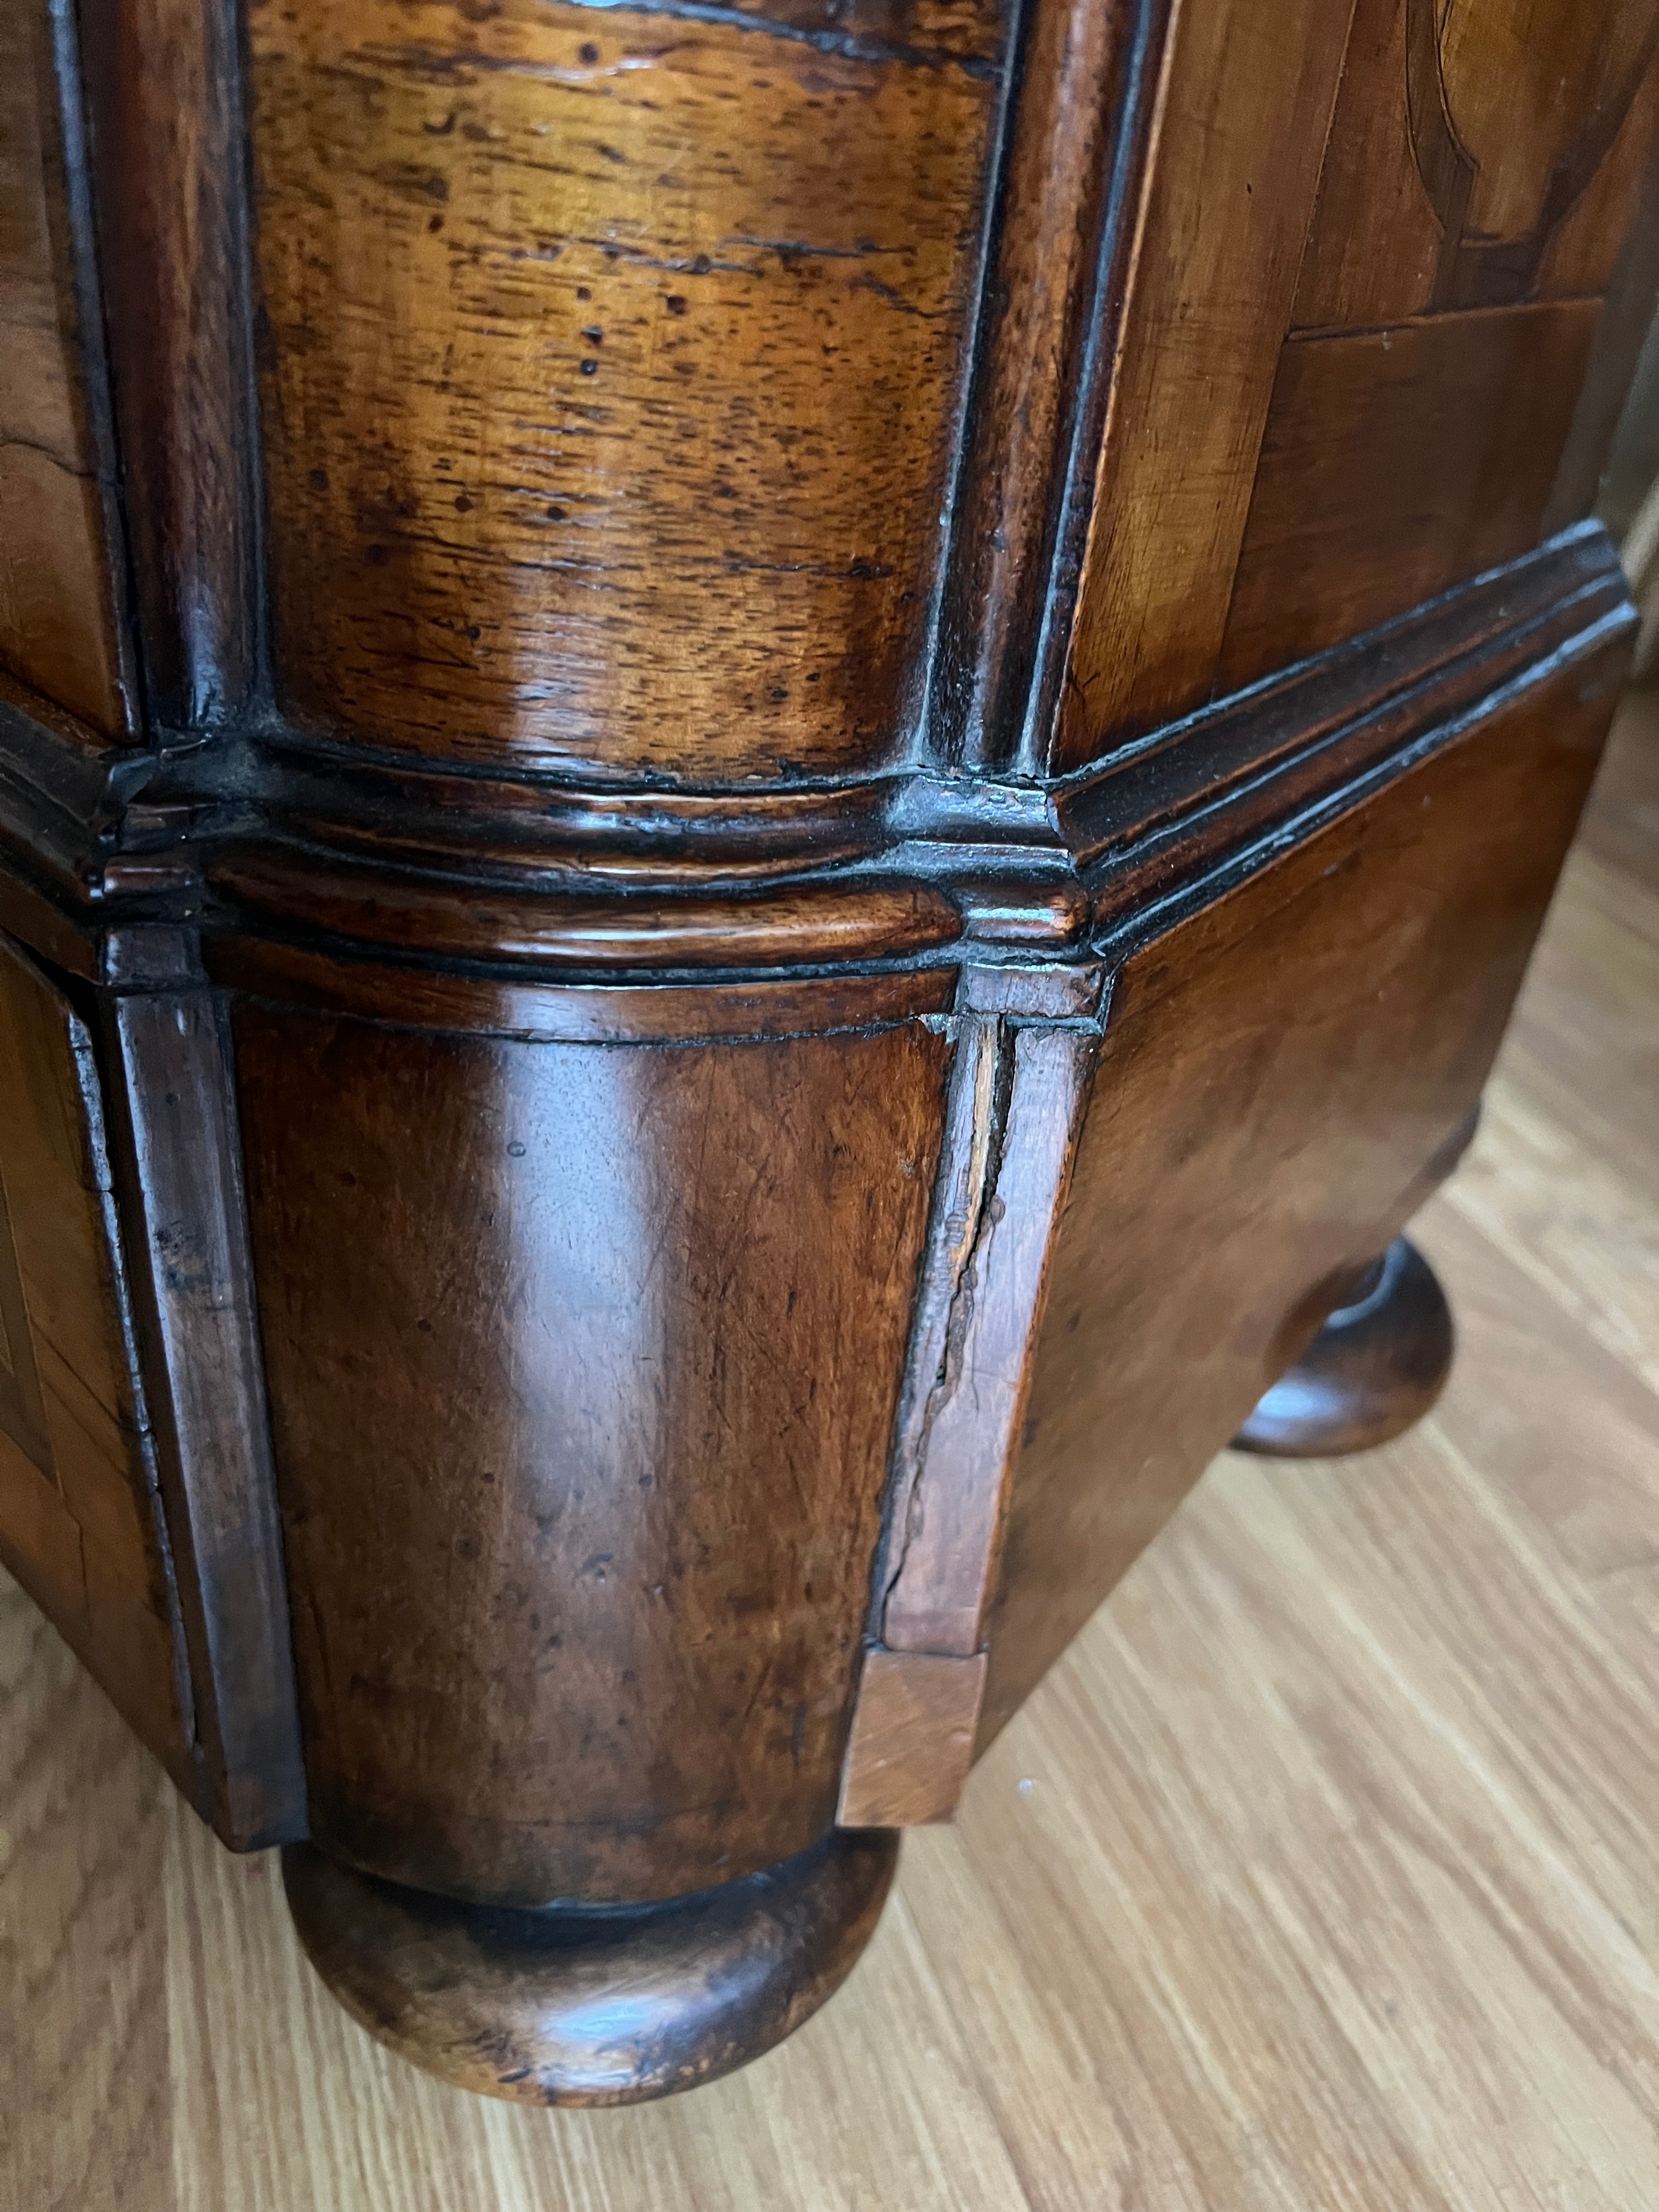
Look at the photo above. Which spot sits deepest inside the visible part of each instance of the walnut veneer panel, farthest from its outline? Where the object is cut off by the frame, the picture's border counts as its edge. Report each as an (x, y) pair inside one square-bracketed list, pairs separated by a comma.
[(1247, 99), (80, 1524), (612, 373), (1278, 1072), (1252, 494), (1395, 463), (583, 1362), (59, 623)]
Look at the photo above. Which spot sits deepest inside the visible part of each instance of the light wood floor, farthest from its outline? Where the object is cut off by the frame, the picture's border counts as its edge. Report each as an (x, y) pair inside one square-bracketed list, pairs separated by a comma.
[(1323, 1874)]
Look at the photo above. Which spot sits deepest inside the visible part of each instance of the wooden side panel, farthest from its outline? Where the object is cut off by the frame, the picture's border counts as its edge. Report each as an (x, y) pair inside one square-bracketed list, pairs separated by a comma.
[(1626, 316), (59, 629), (1582, 255), (583, 1362), (613, 367), (1277, 1071), (1249, 96), (1396, 463), (80, 1524)]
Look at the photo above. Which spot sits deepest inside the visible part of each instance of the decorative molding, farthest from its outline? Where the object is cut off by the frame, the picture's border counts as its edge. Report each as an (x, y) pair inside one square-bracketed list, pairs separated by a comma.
[(389, 860), (1017, 1093), (168, 174), (1067, 225), (184, 1204)]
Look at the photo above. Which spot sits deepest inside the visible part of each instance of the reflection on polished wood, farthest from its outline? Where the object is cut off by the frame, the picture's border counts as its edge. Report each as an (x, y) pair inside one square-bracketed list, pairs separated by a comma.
[(552, 2008), (1321, 1872), (1377, 1363), (770, 776)]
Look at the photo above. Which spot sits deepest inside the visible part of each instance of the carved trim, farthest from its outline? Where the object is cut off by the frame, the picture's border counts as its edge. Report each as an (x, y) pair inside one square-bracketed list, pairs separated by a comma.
[(1172, 806), (1599, 654), (1066, 226), (833, 920), (538, 875), (409, 997), (1016, 1096), (168, 163), (195, 1273)]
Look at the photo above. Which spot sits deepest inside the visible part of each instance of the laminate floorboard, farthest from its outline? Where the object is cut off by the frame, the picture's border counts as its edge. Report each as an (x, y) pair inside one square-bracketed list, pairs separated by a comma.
[(1324, 1872)]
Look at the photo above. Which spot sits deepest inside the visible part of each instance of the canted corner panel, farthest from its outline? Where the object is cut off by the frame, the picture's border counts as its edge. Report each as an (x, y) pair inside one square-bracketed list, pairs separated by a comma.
[(1016, 1096), (80, 1520)]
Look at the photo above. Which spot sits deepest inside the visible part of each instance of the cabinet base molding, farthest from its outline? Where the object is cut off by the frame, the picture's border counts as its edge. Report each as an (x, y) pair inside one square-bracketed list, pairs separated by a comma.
[(596, 2007), (1375, 1367)]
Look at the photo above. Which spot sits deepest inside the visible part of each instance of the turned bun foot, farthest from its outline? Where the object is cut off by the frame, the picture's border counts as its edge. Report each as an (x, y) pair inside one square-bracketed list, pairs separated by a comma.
[(1378, 1364), (601, 2007)]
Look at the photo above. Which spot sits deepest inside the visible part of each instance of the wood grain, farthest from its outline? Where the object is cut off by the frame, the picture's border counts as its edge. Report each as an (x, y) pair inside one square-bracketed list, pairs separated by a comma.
[(912, 1740), (582, 1366), (84, 1939), (163, 81), (1626, 315), (968, 1389), (1087, 79), (1321, 1874), (60, 533), (1322, 1030), (612, 371), (1519, 79), (1395, 463), (1246, 107), (1533, 100), (187, 1233), (80, 1519), (643, 394)]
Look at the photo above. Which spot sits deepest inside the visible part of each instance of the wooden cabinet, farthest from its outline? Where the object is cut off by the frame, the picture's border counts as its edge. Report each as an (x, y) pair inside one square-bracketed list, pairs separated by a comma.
[(770, 782)]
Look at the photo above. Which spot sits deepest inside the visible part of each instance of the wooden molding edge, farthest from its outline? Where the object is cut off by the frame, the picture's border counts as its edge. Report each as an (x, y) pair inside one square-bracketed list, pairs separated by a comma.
[(914, 1722)]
